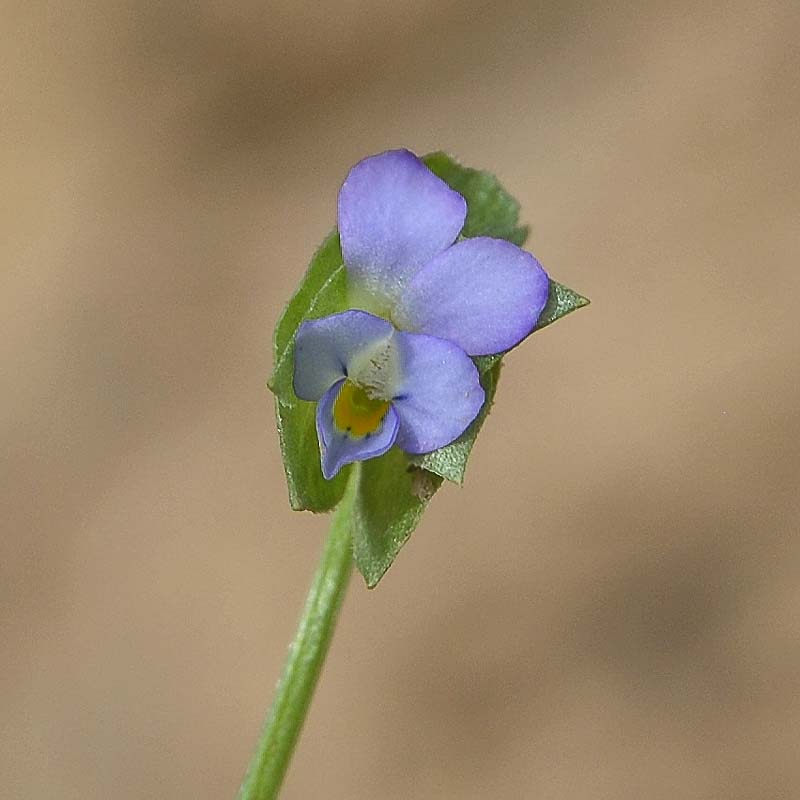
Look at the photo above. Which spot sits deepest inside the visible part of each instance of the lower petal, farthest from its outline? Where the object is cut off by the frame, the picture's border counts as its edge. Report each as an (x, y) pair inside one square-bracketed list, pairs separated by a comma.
[(439, 395), (483, 294), (339, 447)]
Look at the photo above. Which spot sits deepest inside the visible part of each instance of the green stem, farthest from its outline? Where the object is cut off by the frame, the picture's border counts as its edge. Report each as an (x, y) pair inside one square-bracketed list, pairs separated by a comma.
[(306, 656)]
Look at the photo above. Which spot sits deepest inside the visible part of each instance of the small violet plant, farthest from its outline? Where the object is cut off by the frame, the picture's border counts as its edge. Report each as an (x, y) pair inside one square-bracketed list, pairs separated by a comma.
[(395, 369), (386, 362)]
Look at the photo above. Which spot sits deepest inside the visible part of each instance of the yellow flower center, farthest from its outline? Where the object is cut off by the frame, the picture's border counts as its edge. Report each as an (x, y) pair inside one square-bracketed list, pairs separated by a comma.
[(355, 412)]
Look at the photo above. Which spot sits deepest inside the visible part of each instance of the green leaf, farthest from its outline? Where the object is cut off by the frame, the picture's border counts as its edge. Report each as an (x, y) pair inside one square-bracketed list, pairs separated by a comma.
[(323, 291), (391, 494)]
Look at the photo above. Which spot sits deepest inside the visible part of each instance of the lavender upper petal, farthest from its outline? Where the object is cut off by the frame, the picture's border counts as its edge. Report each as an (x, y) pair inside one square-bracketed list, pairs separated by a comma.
[(483, 294), (395, 215)]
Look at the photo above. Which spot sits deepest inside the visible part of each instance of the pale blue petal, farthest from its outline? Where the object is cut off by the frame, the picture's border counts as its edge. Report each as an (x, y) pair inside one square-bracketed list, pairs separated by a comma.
[(325, 348), (483, 294), (338, 448), (439, 394), (395, 215)]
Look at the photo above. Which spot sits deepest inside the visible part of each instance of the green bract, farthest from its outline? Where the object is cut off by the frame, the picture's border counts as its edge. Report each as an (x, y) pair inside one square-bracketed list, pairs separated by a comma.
[(391, 491)]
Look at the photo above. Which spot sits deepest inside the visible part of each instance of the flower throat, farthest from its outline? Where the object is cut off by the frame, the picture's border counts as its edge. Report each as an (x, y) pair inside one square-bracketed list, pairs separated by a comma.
[(357, 413)]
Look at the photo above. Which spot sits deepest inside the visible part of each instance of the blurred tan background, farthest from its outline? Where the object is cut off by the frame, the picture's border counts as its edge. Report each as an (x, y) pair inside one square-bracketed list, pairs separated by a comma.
[(608, 609)]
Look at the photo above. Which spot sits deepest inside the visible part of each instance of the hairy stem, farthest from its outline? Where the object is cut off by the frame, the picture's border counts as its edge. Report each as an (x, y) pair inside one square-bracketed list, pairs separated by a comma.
[(303, 665)]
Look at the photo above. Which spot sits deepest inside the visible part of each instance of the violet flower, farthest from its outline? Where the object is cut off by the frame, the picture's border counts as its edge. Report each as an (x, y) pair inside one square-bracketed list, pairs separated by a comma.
[(396, 368)]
